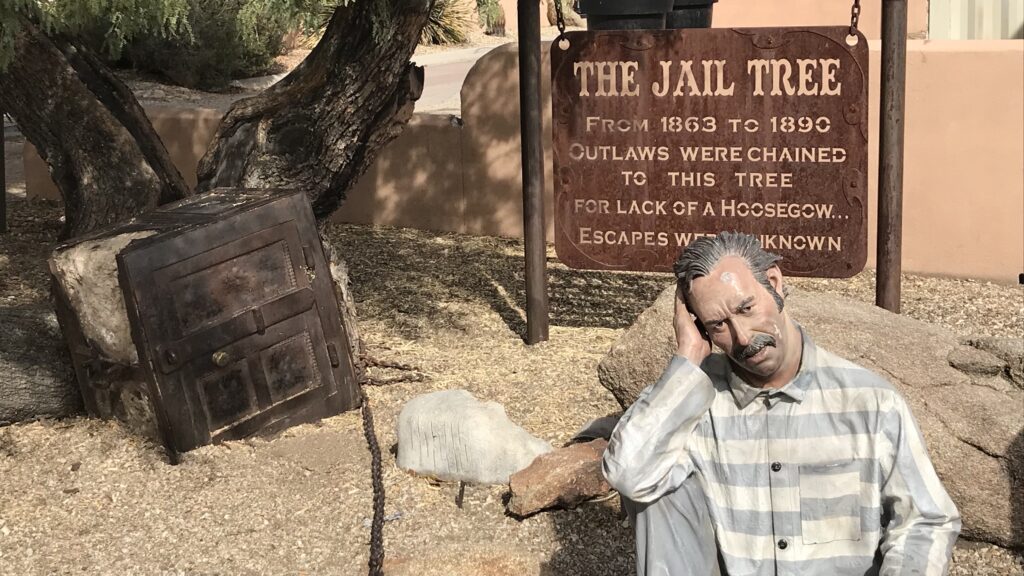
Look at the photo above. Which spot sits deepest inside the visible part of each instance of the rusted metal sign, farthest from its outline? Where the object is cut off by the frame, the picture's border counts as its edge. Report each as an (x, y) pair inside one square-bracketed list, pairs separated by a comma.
[(663, 136)]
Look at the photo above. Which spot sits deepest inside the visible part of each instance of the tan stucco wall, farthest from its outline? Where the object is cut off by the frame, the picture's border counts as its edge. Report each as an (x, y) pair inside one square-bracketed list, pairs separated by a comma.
[(963, 188), (740, 13), (745, 13), (964, 166), (186, 132), (417, 181), (963, 210)]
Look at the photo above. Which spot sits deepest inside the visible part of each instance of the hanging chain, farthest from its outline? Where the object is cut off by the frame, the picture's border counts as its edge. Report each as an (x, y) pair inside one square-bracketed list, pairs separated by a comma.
[(854, 17), (560, 17)]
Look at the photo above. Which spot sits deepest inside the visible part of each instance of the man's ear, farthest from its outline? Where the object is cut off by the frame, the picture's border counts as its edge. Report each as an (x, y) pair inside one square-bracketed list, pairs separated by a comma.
[(775, 279)]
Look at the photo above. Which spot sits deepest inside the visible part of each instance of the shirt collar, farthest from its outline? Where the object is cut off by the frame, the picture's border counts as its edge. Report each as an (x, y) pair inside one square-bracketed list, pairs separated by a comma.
[(795, 389)]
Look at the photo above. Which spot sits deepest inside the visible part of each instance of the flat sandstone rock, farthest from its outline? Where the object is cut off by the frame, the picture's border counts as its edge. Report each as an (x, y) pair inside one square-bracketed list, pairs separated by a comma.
[(559, 479), (972, 422)]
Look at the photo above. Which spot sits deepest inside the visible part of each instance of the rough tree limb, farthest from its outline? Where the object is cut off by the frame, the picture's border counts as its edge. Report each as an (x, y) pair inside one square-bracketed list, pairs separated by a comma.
[(103, 153), (321, 127)]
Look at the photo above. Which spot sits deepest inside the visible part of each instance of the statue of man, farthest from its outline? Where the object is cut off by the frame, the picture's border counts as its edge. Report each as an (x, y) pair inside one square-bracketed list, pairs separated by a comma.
[(776, 457)]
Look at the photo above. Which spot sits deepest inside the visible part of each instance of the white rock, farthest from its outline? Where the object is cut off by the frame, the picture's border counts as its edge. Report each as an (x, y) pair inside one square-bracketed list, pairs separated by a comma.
[(451, 435), (88, 274)]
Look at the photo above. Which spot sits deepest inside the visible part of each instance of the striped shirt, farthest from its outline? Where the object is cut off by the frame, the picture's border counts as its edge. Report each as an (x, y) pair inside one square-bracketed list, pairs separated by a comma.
[(827, 475)]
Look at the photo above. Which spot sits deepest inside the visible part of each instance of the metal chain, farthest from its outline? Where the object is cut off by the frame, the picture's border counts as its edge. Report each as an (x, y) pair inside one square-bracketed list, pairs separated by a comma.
[(854, 17), (376, 563), (560, 17)]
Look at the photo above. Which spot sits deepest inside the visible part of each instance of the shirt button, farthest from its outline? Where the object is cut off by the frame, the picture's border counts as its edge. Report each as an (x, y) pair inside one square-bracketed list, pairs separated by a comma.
[(783, 544), (775, 468)]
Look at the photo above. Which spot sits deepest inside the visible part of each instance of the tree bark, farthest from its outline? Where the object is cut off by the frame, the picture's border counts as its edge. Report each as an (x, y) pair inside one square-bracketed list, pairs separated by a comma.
[(320, 127), (103, 153)]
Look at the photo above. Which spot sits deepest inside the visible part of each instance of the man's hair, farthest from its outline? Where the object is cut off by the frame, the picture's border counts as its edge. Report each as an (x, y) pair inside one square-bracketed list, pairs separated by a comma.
[(703, 254)]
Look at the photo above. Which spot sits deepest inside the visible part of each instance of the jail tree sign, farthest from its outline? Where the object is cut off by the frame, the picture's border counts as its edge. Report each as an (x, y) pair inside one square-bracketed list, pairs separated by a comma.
[(664, 136)]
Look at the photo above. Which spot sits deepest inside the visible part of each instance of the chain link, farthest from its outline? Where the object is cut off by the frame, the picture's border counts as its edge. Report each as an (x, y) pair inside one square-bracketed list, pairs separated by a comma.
[(560, 17), (854, 17)]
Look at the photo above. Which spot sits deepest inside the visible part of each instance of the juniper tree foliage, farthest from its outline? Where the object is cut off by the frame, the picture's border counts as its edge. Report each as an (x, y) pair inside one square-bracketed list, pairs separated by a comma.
[(318, 129), (112, 24)]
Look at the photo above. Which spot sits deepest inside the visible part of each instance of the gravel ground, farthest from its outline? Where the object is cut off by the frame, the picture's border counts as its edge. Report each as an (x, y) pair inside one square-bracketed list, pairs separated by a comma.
[(85, 496)]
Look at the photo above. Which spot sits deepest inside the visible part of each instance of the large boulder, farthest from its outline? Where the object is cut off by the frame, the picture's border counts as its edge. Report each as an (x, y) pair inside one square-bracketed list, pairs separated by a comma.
[(973, 421), (450, 435), (36, 378)]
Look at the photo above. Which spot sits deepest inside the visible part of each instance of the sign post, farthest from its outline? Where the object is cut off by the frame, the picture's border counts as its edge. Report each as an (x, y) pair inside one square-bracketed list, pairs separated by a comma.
[(533, 172), (662, 136), (890, 155)]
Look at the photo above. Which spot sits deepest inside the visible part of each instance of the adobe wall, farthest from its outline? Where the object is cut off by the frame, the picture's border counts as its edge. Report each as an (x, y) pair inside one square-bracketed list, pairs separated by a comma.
[(186, 132), (744, 13), (964, 168)]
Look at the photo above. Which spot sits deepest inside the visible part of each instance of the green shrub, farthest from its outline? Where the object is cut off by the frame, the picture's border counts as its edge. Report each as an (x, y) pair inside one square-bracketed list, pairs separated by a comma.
[(492, 17), (448, 23), (228, 39)]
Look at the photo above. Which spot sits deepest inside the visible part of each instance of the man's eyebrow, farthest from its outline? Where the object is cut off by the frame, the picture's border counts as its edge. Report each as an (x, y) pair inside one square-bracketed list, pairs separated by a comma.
[(713, 321), (746, 302)]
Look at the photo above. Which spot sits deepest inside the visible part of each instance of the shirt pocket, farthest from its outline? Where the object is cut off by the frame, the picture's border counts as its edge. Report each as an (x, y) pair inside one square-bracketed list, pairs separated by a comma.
[(830, 502)]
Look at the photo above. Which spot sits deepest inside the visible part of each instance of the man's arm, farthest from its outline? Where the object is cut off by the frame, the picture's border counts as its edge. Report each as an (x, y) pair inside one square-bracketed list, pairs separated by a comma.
[(647, 455), (924, 523)]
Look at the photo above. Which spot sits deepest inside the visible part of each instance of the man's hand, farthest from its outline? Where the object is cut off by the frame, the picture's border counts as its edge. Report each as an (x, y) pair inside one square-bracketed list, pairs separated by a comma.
[(690, 342)]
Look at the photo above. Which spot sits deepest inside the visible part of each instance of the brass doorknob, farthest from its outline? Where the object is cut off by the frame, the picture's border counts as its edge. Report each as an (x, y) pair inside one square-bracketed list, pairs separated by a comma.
[(221, 358)]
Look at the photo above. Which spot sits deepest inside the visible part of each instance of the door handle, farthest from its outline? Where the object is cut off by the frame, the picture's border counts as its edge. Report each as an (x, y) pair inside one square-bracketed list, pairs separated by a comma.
[(221, 358)]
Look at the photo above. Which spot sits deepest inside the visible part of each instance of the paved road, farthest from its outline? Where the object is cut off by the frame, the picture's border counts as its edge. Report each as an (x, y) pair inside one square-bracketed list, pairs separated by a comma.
[(444, 74)]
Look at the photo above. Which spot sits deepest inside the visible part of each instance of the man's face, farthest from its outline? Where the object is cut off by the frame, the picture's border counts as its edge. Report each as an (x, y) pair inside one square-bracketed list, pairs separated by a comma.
[(741, 316)]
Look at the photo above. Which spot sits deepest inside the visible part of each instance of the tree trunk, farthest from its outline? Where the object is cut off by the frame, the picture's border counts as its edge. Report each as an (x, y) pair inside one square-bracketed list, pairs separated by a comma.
[(317, 130), (321, 127), (103, 153)]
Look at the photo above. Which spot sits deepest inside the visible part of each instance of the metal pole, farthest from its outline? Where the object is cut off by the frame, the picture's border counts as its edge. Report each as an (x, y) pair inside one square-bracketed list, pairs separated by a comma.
[(3, 176), (890, 154), (533, 172)]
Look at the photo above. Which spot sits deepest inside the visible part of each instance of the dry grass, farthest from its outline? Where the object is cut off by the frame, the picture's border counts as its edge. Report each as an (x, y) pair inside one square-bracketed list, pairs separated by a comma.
[(85, 496)]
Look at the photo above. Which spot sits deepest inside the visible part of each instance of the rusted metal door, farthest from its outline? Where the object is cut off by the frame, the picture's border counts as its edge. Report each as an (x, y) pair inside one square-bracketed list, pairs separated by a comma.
[(234, 315)]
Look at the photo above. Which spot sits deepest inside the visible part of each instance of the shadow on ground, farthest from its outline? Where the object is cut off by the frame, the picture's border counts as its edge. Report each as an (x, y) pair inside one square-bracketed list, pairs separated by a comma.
[(408, 277), (32, 230), (593, 542)]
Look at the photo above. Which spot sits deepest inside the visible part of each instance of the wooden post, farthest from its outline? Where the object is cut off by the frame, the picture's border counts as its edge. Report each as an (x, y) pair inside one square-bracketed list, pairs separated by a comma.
[(533, 172), (890, 154)]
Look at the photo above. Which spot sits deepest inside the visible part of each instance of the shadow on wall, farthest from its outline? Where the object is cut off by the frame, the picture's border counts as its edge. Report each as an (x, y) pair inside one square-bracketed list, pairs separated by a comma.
[(450, 173), (491, 145)]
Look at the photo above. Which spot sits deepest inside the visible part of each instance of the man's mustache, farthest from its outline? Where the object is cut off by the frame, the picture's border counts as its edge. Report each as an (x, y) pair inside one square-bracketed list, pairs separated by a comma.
[(756, 344)]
